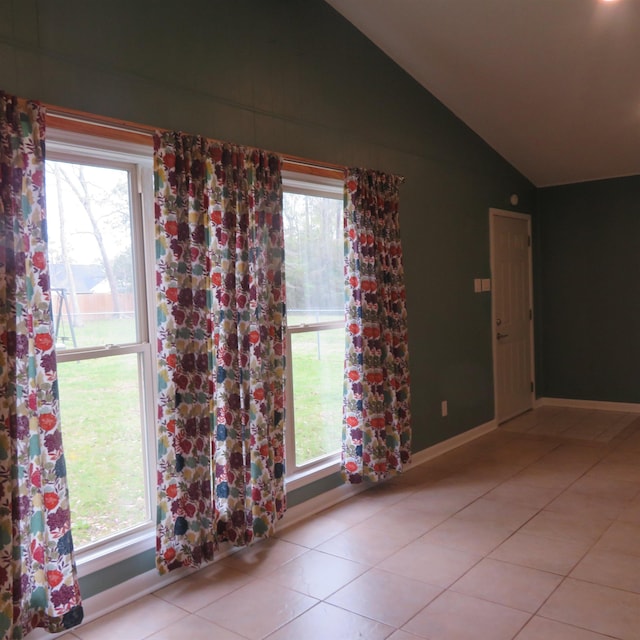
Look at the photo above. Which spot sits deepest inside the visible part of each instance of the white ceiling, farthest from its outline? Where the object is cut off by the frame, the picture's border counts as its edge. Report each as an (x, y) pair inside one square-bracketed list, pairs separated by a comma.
[(552, 85)]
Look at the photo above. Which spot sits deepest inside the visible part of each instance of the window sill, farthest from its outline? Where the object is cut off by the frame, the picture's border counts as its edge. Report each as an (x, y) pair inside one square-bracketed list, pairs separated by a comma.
[(301, 477), (111, 552), (102, 556)]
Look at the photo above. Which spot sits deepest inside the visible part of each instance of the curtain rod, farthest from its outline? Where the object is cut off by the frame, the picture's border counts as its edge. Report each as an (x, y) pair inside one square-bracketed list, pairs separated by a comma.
[(83, 122)]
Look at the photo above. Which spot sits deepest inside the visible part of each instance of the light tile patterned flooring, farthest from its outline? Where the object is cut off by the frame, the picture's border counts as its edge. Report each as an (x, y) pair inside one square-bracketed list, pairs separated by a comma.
[(530, 532)]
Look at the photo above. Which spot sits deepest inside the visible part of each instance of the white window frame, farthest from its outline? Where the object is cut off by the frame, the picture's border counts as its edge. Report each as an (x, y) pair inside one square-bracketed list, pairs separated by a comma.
[(137, 159), (299, 475), (70, 146)]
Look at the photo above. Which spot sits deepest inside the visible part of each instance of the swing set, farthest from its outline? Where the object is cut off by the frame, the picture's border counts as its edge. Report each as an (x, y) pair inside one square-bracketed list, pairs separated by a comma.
[(63, 310)]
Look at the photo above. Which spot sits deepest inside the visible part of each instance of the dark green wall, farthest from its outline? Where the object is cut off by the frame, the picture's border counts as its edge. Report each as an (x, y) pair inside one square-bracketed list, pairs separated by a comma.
[(589, 263), (294, 77)]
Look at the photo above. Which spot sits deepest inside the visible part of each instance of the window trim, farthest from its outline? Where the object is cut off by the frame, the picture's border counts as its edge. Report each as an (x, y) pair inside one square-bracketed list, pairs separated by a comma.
[(73, 121), (72, 145), (76, 131), (322, 185)]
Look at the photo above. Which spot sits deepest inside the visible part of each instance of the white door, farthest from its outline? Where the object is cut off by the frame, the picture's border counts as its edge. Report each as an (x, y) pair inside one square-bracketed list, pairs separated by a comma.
[(512, 313)]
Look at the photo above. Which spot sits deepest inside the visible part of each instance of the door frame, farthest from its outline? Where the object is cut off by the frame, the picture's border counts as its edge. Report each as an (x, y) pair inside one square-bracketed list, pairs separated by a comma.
[(493, 214)]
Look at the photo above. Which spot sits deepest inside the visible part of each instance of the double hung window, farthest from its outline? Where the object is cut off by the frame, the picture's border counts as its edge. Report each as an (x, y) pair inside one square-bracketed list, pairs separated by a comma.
[(101, 258), (314, 258), (95, 212)]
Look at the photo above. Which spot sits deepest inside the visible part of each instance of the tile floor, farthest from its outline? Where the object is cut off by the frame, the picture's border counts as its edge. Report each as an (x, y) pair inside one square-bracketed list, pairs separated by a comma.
[(531, 532)]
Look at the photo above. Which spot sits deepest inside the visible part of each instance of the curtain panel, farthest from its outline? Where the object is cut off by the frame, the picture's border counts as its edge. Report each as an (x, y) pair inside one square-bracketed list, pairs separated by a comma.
[(221, 346), (38, 582), (377, 420)]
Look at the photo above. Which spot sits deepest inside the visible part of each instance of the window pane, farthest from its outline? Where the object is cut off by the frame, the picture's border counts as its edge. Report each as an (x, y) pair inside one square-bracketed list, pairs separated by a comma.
[(318, 358), (314, 258), (101, 422), (90, 255)]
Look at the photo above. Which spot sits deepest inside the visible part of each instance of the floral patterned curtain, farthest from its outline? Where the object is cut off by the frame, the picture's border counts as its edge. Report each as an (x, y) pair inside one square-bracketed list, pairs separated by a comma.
[(377, 422), (221, 346), (38, 582)]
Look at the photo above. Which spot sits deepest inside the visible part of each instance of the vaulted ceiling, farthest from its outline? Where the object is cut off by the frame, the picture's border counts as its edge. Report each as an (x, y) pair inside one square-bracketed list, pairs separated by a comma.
[(552, 85)]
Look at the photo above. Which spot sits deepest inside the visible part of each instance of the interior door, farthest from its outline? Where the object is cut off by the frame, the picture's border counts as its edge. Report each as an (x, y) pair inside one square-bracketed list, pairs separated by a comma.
[(512, 313)]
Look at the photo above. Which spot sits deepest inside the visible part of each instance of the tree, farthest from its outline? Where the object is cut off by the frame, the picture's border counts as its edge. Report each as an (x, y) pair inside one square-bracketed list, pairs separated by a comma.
[(114, 205), (64, 256), (313, 250)]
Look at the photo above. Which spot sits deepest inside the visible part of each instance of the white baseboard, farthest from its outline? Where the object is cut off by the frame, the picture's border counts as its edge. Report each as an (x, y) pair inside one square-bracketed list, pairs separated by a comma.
[(343, 492), (599, 405), (127, 592), (319, 503), (451, 443), (150, 581)]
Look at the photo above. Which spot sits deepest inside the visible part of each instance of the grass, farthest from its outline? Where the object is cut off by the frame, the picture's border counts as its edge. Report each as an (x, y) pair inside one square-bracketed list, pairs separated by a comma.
[(101, 422), (317, 392)]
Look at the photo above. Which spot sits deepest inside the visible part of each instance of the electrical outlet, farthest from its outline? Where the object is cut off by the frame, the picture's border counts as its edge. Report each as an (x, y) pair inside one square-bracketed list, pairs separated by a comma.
[(445, 409)]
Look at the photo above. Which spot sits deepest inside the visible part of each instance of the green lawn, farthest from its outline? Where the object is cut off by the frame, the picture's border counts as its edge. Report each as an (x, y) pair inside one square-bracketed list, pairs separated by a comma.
[(103, 439), (317, 392), (103, 445)]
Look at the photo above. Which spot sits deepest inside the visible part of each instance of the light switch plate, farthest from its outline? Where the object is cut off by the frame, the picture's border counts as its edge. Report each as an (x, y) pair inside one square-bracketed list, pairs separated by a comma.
[(486, 284)]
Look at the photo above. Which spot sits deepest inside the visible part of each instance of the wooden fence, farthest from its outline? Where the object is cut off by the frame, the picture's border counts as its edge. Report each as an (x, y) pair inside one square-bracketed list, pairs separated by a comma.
[(93, 306)]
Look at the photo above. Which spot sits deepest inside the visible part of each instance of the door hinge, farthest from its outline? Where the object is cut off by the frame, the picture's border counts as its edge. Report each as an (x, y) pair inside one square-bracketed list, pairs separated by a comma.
[(530, 314), (528, 241), (532, 387)]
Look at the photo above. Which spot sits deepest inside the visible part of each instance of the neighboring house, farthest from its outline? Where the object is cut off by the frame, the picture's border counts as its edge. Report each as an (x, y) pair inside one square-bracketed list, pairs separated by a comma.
[(101, 287), (87, 278)]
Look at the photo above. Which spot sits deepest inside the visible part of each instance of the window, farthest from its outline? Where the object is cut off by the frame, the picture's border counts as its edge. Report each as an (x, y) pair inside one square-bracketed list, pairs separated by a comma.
[(100, 315), (314, 250), (101, 257)]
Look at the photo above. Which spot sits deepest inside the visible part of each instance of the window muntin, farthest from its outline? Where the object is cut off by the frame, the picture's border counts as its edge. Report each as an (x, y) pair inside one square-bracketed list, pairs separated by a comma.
[(314, 246), (99, 303)]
